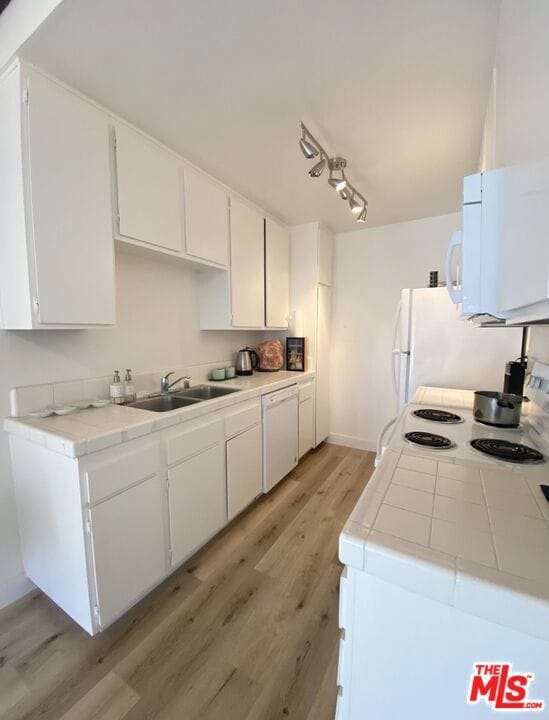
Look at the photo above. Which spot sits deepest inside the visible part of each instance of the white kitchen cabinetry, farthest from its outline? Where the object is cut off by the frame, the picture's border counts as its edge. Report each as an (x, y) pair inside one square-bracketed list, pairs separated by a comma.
[(243, 470), (247, 266), (128, 545), (147, 180), (196, 487), (277, 275), (306, 417), (311, 250), (206, 218), (56, 248)]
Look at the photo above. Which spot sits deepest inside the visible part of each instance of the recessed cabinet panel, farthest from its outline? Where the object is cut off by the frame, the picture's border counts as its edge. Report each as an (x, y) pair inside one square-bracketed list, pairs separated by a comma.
[(68, 153), (206, 219), (197, 501), (247, 266), (148, 185), (244, 468), (277, 275), (128, 545)]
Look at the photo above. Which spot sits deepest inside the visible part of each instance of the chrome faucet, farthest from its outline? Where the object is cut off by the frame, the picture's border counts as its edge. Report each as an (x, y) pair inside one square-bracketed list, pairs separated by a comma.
[(165, 384)]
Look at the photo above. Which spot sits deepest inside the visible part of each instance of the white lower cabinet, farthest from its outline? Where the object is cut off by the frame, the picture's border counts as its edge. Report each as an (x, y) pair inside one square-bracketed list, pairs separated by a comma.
[(306, 418), (128, 545), (196, 493), (244, 468)]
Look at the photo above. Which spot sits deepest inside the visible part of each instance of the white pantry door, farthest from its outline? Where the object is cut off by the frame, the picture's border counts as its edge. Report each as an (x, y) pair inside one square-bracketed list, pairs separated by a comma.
[(324, 305), (68, 152)]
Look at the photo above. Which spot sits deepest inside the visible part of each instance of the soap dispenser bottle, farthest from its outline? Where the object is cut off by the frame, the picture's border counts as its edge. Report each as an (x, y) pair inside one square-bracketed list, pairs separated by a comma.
[(129, 387), (117, 389)]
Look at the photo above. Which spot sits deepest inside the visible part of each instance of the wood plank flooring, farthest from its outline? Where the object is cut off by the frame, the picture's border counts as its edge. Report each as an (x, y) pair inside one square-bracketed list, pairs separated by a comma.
[(247, 630)]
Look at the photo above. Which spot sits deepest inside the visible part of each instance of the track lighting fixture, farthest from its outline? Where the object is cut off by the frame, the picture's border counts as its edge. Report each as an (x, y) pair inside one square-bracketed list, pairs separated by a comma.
[(311, 148), (317, 170)]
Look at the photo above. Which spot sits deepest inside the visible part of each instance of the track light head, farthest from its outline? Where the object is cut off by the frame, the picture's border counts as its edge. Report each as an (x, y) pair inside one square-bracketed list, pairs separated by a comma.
[(356, 209), (307, 148), (362, 217), (318, 169), (343, 194), (338, 184)]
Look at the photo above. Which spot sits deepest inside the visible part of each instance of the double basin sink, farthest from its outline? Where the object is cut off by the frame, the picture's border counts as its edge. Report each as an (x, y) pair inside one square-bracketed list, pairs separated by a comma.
[(181, 398)]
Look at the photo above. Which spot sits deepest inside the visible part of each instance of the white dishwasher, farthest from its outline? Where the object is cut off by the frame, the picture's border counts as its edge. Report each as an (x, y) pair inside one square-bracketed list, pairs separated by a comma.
[(280, 434)]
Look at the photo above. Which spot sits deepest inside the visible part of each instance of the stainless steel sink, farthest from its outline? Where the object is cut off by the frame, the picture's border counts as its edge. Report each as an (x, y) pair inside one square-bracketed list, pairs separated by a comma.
[(206, 392), (163, 403)]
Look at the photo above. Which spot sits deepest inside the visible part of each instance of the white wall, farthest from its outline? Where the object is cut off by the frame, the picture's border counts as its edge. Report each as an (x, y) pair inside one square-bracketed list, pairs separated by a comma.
[(521, 123), (371, 267), (157, 327)]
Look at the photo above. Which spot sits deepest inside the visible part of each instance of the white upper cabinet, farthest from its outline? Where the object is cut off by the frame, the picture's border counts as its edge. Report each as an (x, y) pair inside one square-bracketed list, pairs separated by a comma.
[(56, 247), (325, 256), (247, 266), (148, 191), (206, 219), (277, 275)]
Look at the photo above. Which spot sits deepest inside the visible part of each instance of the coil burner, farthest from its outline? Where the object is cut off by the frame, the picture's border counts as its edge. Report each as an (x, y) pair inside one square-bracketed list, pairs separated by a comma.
[(439, 416), (429, 440), (506, 450)]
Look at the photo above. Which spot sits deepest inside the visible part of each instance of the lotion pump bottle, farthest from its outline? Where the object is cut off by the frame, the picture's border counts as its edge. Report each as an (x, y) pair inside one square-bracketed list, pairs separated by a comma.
[(129, 386), (117, 390)]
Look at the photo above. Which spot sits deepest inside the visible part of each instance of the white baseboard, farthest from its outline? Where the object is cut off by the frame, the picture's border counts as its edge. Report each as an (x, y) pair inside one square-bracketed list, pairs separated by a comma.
[(352, 441), (14, 588)]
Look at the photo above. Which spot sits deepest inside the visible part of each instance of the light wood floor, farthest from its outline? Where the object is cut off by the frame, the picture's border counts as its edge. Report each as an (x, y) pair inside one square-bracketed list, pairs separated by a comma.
[(247, 630)]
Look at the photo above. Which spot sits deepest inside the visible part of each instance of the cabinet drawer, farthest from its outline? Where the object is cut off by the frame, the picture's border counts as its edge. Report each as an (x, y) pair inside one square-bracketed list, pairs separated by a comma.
[(192, 441), (243, 418), (119, 473), (306, 391)]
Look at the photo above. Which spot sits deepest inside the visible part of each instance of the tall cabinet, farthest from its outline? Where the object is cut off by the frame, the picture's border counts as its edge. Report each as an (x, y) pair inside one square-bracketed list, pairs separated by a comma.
[(311, 259)]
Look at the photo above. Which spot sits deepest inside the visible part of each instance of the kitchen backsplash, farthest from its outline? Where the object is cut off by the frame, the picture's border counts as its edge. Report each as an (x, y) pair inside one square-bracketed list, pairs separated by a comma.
[(26, 398)]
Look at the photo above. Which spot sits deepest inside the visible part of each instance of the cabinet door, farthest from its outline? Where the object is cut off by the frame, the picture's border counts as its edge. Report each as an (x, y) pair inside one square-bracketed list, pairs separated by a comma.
[(324, 303), (206, 219), (277, 275), (306, 425), (129, 546), (244, 468), (148, 184), (68, 154), (325, 255), (197, 501), (247, 266)]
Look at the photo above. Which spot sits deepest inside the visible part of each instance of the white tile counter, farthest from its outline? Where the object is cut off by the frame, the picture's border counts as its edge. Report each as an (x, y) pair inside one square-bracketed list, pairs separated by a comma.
[(87, 431), (474, 537)]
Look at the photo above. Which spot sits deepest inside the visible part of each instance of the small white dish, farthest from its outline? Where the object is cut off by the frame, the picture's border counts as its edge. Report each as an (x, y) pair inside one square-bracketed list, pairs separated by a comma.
[(43, 413), (100, 402), (63, 409), (83, 404)]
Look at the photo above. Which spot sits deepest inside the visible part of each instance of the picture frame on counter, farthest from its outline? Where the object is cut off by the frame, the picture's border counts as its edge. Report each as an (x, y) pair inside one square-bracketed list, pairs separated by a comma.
[(296, 354)]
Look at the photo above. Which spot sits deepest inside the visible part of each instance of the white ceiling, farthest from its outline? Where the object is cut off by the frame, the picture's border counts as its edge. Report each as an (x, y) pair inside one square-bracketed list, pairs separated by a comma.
[(398, 87)]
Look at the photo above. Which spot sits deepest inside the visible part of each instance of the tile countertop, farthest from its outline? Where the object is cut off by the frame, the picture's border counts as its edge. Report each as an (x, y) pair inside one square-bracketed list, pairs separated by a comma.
[(86, 431), (473, 537)]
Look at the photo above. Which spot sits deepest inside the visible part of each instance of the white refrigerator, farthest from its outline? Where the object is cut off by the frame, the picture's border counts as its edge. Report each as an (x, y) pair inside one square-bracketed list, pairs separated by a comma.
[(432, 346)]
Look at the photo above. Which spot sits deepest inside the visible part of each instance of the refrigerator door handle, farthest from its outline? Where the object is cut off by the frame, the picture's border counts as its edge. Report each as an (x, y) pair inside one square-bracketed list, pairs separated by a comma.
[(453, 290)]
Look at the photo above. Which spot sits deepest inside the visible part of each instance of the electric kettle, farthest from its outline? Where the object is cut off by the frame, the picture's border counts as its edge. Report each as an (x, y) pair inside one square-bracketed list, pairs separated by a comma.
[(246, 361)]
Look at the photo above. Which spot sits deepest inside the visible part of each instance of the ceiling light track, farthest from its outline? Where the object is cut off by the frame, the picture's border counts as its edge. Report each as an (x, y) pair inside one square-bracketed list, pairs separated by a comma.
[(311, 148)]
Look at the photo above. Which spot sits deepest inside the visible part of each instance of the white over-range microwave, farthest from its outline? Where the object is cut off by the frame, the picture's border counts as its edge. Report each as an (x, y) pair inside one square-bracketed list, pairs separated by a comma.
[(502, 250)]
